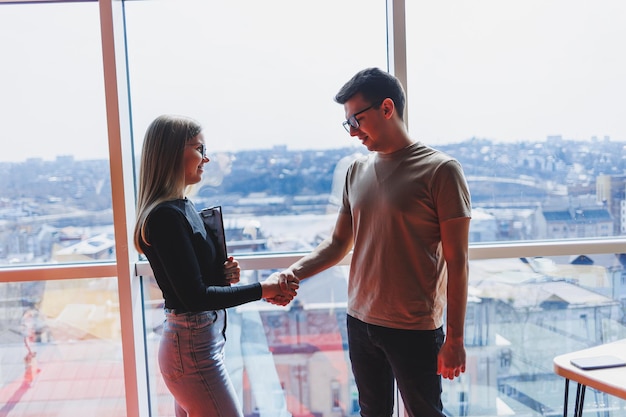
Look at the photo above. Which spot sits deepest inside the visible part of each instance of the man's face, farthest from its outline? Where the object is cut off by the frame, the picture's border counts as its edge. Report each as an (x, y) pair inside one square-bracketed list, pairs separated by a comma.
[(368, 119)]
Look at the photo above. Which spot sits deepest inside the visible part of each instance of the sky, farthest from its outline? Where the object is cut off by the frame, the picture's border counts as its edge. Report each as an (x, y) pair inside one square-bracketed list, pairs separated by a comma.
[(257, 74)]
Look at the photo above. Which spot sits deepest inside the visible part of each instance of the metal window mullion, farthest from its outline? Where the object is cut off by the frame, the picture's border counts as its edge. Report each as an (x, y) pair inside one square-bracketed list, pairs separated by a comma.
[(396, 45)]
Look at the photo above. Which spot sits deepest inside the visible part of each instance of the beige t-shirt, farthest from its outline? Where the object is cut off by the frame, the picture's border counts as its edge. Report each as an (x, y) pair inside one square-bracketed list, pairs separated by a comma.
[(398, 276)]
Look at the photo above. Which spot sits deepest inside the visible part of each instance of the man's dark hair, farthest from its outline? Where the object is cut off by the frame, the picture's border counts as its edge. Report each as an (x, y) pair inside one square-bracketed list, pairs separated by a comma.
[(374, 85)]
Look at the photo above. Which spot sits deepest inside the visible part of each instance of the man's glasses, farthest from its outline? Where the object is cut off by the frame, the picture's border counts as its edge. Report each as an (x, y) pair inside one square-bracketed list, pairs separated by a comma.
[(353, 122), (200, 147)]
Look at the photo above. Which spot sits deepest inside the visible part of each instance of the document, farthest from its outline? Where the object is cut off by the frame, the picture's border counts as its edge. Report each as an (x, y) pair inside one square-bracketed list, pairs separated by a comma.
[(598, 362)]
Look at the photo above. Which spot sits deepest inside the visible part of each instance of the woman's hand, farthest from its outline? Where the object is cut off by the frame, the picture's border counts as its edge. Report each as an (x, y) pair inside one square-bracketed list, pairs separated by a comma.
[(232, 271)]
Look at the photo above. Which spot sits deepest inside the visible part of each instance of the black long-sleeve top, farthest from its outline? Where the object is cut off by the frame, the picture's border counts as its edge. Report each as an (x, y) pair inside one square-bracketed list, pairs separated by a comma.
[(185, 263)]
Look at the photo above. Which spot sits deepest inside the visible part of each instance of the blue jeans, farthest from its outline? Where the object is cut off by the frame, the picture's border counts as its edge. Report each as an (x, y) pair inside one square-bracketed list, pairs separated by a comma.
[(381, 354), (191, 358)]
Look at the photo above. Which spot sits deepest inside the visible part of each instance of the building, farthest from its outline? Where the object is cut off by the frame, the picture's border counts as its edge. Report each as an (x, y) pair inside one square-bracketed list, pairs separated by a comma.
[(611, 192)]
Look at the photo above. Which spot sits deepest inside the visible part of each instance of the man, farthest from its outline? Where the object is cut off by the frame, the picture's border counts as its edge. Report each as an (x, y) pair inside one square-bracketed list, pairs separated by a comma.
[(406, 215)]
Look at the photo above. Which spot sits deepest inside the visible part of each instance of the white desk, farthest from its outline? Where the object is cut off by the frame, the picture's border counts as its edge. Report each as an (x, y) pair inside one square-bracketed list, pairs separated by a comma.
[(609, 380)]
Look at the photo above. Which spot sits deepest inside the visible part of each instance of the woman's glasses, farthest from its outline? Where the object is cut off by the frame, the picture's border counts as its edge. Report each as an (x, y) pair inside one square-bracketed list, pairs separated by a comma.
[(200, 147)]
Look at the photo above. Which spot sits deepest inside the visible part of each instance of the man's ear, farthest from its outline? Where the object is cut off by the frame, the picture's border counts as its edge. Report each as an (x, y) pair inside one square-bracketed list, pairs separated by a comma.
[(388, 107)]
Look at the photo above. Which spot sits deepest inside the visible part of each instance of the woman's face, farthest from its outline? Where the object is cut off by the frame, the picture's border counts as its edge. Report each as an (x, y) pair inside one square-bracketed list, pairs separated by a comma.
[(194, 159)]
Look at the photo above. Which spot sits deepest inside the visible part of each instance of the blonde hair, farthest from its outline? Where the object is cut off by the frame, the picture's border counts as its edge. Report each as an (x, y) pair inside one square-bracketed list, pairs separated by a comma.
[(161, 172)]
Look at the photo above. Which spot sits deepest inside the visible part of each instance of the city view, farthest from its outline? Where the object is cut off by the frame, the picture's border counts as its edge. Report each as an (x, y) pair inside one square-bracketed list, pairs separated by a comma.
[(277, 200), (51, 211)]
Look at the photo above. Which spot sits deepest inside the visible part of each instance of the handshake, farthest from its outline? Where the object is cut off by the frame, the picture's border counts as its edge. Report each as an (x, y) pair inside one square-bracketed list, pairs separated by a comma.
[(280, 287)]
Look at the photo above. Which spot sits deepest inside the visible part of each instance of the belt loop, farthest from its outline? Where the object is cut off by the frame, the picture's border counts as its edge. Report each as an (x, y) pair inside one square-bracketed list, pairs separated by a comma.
[(225, 323)]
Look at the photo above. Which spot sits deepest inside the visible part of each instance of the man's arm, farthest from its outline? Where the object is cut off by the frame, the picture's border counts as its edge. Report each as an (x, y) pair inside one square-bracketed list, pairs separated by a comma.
[(326, 254), (454, 241)]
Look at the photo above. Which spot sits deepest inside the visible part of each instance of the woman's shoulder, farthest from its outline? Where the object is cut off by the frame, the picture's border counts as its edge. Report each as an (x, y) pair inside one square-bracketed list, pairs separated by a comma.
[(170, 208)]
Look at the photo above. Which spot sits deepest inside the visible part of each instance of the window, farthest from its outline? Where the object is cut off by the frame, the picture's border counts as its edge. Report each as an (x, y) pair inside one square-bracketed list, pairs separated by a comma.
[(262, 85), (528, 95), (61, 347), (55, 205)]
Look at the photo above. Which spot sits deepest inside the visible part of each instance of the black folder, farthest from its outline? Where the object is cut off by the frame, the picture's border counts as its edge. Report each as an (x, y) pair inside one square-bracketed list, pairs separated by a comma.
[(212, 218)]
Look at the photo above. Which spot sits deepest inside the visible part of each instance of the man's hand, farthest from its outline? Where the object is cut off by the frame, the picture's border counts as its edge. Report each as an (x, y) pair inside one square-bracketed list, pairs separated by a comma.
[(288, 284), (451, 359)]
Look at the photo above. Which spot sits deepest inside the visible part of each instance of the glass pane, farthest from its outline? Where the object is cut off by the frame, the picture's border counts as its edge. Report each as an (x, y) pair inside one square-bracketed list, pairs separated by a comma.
[(260, 77), (521, 314), (283, 361), (55, 203), (529, 96), (60, 349)]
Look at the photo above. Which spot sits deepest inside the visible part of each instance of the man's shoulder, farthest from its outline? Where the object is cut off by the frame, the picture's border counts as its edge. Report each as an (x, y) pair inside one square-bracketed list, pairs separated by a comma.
[(431, 152), (426, 156), (362, 160)]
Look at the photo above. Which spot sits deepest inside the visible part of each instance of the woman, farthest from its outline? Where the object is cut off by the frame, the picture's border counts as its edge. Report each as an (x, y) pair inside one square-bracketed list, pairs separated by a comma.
[(194, 280)]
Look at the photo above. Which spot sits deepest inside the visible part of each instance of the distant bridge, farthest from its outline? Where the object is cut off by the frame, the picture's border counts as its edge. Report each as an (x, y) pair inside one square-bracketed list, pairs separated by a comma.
[(512, 189)]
